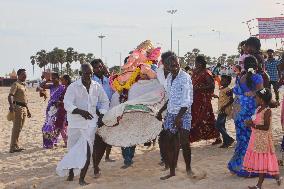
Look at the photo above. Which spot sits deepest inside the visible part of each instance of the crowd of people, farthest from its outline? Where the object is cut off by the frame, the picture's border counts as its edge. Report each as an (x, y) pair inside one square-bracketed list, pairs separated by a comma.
[(76, 109)]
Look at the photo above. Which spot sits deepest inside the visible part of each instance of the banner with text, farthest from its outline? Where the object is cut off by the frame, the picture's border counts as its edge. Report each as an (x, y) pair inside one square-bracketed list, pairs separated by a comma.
[(271, 27)]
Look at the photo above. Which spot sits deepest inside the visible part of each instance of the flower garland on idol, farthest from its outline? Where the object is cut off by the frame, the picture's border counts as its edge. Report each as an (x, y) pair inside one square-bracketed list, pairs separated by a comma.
[(120, 87), (140, 62)]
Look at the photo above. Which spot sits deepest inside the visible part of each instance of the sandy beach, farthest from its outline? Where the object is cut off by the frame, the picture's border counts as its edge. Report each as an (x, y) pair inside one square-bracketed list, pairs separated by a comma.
[(35, 167)]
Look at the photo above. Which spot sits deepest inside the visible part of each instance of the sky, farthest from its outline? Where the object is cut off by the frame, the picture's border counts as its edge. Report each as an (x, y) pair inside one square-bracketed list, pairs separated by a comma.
[(27, 26)]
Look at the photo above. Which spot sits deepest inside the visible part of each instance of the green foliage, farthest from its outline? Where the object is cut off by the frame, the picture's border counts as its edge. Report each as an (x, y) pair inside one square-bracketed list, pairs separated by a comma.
[(189, 58), (114, 69), (57, 58)]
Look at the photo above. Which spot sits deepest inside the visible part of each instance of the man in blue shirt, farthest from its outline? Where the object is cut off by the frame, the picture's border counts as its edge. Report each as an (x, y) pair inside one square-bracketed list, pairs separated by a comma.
[(271, 66), (100, 147), (177, 122)]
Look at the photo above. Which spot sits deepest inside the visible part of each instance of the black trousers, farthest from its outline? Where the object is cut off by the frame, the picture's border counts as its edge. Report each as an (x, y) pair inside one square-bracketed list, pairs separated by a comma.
[(275, 86)]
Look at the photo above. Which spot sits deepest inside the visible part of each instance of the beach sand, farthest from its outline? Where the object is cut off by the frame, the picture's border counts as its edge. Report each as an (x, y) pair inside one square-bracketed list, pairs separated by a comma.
[(35, 167)]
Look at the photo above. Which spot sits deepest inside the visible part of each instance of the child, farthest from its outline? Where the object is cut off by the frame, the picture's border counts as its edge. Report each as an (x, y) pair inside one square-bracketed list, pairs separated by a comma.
[(260, 156), (42, 92), (224, 109)]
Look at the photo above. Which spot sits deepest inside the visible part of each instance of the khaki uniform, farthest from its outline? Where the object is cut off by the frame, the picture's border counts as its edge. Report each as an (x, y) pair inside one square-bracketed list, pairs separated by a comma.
[(19, 92)]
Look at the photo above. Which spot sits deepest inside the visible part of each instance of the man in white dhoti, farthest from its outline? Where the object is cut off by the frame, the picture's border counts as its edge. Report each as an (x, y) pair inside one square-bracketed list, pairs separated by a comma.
[(80, 102)]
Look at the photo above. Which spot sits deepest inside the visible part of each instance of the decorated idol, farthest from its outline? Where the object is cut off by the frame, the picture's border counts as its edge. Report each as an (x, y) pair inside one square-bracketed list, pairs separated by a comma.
[(139, 95)]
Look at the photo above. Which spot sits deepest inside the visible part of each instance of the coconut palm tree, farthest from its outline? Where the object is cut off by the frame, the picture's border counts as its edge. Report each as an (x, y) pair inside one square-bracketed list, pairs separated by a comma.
[(82, 58), (60, 58), (196, 52), (231, 59), (33, 61), (69, 58), (51, 60), (41, 59), (89, 57)]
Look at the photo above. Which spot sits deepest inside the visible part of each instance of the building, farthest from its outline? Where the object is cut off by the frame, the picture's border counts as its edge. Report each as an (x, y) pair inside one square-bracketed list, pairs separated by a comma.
[(9, 79)]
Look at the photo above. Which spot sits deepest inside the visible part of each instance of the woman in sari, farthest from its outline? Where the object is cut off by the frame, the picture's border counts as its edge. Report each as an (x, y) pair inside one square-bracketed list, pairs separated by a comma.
[(203, 119), (61, 119), (52, 116), (245, 90)]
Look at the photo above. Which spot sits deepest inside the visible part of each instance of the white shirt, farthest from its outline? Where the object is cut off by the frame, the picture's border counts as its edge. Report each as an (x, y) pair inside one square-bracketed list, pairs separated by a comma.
[(179, 92), (77, 96)]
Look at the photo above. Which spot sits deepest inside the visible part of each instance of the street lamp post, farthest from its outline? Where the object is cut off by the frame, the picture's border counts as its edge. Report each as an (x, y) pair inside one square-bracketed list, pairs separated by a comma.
[(172, 12), (120, 62), (178, 48), (219, 34), (101, 37)]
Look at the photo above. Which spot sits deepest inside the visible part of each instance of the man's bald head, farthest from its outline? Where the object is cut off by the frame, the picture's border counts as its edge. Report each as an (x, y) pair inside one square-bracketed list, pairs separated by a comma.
[(87, 72), (86, 66)]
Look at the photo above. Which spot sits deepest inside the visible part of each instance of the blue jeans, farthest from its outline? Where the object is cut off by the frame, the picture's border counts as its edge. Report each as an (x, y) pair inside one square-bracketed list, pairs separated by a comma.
[(220, 125), (128, 154)]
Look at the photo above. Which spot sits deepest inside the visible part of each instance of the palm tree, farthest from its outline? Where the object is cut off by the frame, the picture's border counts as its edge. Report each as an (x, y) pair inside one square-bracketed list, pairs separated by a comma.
[(89, 57), (114, 69), (82, 58), (196, 52), (33, 61), (231, 59), (60, 57), (208, 59), (69, 58), (41, 59), (51, 58)]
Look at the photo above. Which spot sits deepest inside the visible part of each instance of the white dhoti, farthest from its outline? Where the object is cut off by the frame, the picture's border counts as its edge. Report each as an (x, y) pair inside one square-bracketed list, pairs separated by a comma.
[(77, 150)]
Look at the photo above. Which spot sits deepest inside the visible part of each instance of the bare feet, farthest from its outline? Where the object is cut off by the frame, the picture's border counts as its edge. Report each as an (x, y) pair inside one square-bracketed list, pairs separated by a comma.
[(97, 175), (217, 141), (17, 150), (228, 144), (109, 160), (82, 182), (165, 168), (254, 187), (190, 173), (70, 177), (279, 181), (167, 177), (126, 166)]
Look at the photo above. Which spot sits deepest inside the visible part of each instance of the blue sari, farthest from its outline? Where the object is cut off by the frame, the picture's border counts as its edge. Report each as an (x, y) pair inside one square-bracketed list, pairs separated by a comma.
[(247, 109)]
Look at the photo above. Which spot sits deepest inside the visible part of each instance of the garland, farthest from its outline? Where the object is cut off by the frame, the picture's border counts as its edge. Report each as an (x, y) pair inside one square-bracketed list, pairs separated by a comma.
[(119, 87)]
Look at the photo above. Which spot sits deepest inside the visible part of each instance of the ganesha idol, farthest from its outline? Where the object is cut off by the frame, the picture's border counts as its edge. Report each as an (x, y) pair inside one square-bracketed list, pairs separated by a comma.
[(139, 96), (141, 64)]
